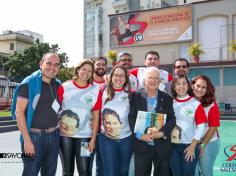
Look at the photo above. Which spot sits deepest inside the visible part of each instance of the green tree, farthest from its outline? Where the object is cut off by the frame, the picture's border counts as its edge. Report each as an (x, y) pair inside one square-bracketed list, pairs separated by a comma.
[(65, 74), (3, 61), (21, 65)]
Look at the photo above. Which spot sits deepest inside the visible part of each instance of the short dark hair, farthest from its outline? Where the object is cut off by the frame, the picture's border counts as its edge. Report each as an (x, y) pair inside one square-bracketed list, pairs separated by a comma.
[(181, 59), (153, 53), (50, 53), (100, 58), (123, 53)]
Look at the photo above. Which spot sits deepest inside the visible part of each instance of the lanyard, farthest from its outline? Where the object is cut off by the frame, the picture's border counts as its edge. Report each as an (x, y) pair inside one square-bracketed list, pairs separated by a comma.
[(51, 92)]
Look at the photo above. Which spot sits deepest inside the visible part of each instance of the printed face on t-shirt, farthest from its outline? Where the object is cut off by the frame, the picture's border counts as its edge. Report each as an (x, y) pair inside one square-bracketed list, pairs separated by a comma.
[(112, 126), (68, 125)]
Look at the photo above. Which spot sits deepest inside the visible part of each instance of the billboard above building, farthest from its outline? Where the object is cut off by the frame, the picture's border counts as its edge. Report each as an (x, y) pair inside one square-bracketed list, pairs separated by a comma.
[(151, 27)]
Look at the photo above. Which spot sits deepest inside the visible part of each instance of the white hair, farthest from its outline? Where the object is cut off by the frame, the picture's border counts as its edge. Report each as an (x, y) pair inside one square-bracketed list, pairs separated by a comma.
[(151, 69)]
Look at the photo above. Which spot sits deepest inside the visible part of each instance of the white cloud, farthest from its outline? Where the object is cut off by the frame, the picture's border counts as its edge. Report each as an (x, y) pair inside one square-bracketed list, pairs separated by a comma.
[(59, 21)]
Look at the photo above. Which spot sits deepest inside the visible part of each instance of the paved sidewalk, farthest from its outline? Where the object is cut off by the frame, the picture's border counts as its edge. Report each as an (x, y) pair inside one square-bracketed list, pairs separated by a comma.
[(10, 143)]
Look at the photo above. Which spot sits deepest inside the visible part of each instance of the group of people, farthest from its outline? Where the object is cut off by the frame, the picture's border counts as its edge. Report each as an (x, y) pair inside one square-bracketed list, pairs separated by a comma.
[(96, 112)]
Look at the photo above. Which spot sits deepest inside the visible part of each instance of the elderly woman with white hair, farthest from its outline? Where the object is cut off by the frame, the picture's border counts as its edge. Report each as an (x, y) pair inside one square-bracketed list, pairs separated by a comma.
[(155, 146)]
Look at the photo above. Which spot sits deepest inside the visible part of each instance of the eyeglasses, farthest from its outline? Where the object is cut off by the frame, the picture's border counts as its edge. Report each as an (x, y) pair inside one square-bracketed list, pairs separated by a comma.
[(179, 66), (119, 76), (126, 60)]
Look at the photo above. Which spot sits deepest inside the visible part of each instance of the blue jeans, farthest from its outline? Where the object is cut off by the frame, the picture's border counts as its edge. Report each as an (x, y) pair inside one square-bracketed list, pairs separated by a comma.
[(116, 155), (98, 158), (179, 165), (131, 166), (207, 160), (99, 165), (46, 154)]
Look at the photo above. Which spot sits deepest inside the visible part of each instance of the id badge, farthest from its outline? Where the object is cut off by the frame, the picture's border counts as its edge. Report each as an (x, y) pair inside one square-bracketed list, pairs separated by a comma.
[(55, 106), (84, 149)]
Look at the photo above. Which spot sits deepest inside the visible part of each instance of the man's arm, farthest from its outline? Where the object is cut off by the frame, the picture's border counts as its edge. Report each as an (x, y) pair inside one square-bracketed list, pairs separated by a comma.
[(21, 106), (132, 113)]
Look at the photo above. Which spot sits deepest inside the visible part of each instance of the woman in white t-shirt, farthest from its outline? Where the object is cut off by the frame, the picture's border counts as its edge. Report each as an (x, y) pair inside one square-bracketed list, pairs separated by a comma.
[(115, 138), (191, 119), (204, 91), (81, 104)]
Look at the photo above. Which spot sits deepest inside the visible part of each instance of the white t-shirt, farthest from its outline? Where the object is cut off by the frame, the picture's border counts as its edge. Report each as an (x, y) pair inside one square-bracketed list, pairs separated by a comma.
[(118, 108), (81, 101), (189, 113)]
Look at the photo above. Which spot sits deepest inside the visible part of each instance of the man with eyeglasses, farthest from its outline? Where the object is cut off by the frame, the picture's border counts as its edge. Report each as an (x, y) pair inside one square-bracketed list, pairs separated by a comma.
[(180, 66), (125, 59), (152, 59), (153, 147)]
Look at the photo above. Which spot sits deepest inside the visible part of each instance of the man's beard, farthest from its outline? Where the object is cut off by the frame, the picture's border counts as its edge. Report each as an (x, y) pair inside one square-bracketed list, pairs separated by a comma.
[(97, 72), (127, 66)]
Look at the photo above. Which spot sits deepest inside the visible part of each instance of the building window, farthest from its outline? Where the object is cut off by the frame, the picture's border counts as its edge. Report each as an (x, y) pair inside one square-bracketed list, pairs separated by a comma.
[(89, 51), (11, 46), (228, 73), (90, 16), (213, 37), (212, 73), (90, 28), (234, 27), (184, 51)]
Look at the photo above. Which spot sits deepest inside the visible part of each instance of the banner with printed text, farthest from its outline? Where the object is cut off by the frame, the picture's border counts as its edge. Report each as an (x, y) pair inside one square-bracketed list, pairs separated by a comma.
[(151, 27)]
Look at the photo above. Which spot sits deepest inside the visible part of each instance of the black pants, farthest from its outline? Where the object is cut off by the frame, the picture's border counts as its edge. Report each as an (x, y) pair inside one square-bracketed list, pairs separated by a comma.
[(69, 151), (143, 164)]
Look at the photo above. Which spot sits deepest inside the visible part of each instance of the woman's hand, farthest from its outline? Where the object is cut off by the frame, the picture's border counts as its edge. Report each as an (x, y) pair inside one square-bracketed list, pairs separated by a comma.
[(92, 144), (190, 153)]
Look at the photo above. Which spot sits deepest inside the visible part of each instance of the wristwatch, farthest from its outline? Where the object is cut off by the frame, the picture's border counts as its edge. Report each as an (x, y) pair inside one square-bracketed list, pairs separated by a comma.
[(202, 145)]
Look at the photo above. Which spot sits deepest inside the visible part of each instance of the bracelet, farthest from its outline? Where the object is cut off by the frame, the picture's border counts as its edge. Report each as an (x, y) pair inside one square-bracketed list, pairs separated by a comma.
[(202, 145)]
